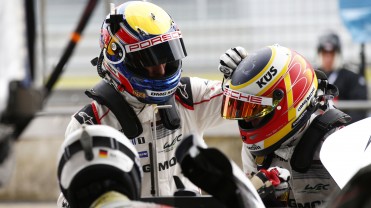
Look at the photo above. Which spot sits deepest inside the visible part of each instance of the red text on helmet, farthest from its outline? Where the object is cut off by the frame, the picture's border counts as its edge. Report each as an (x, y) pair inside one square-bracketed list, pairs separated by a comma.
[(247, 98), (153, 41), (267, 77)]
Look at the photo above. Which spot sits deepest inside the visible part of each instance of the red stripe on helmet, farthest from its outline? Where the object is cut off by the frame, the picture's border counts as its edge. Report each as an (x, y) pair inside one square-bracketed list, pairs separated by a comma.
[(126, 36)]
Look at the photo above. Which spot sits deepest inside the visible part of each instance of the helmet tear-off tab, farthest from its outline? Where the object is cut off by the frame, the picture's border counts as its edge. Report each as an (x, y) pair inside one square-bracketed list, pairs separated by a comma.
[(114, 21)]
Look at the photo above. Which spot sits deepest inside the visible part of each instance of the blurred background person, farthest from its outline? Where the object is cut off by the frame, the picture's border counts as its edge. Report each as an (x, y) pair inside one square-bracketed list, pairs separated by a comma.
[(351, 85)]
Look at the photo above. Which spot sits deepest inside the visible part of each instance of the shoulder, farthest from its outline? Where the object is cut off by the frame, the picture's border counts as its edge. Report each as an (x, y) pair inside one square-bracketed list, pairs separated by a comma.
[(347, 72), (86, 115), (349, 75), (350, 70), (184, 94), (193, 90), (91, 113)]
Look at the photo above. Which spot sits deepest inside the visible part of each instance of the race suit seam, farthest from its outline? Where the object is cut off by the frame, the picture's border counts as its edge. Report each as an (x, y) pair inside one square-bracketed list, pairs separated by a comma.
[(183, 103), (95, 111)]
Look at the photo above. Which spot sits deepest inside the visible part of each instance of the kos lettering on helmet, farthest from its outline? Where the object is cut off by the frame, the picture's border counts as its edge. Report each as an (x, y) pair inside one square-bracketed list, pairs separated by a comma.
[(161, 166), (267, 77), (153, 41)]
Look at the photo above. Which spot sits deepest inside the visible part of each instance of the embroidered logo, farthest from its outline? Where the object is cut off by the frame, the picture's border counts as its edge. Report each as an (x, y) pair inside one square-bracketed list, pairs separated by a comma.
[(182, 90), (86, 118)]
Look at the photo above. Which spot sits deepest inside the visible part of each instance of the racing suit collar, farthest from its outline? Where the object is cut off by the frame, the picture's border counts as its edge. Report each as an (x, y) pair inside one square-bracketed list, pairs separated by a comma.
[(143, 111), (287, 148), (133, 101)]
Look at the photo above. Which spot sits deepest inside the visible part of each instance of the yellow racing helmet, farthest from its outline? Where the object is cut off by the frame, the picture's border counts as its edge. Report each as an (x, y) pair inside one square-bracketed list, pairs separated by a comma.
[(136, 35), (270, 93)]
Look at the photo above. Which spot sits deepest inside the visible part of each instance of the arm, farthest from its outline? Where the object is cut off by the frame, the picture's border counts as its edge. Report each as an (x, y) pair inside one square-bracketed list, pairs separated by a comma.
[(208, 94), (207, 101)]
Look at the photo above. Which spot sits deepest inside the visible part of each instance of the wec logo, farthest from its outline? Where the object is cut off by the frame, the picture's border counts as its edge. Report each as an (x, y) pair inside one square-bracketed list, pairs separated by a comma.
[(317, 187), (267, 77)]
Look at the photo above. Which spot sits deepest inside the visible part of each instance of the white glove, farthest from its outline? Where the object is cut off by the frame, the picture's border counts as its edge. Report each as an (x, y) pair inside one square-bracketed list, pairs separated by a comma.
[(230, 59), (284, 176)]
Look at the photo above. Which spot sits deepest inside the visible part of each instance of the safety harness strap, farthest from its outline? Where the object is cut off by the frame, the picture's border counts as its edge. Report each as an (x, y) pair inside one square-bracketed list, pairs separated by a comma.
[(106, 95), (302, 157)]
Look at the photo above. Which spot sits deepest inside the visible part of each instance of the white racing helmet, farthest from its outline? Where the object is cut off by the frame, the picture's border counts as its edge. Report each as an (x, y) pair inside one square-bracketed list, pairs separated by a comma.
[(97, 159)]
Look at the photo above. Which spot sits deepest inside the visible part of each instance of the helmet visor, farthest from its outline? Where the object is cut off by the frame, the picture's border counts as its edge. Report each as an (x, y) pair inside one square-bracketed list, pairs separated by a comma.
[(237, 105), (157, 50)]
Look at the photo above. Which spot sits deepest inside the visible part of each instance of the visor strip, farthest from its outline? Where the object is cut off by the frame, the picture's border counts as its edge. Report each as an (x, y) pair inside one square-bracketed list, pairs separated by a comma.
[(153, 41), (260, 100)]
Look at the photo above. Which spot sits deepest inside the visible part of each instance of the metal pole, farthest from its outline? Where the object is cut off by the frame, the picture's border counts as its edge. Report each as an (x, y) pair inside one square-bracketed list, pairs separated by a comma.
[(43, 6), (362, 65), (74, 39)]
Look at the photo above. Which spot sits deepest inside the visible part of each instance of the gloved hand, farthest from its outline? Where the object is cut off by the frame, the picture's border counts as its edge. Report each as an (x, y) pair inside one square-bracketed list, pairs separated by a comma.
[(279, 178), (230, 59)]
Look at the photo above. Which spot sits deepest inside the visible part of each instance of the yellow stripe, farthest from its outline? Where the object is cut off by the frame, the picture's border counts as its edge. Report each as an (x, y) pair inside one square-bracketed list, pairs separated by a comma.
[(277, 136), (290, 98), (148, 17), (236, 87), (279, 77)]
